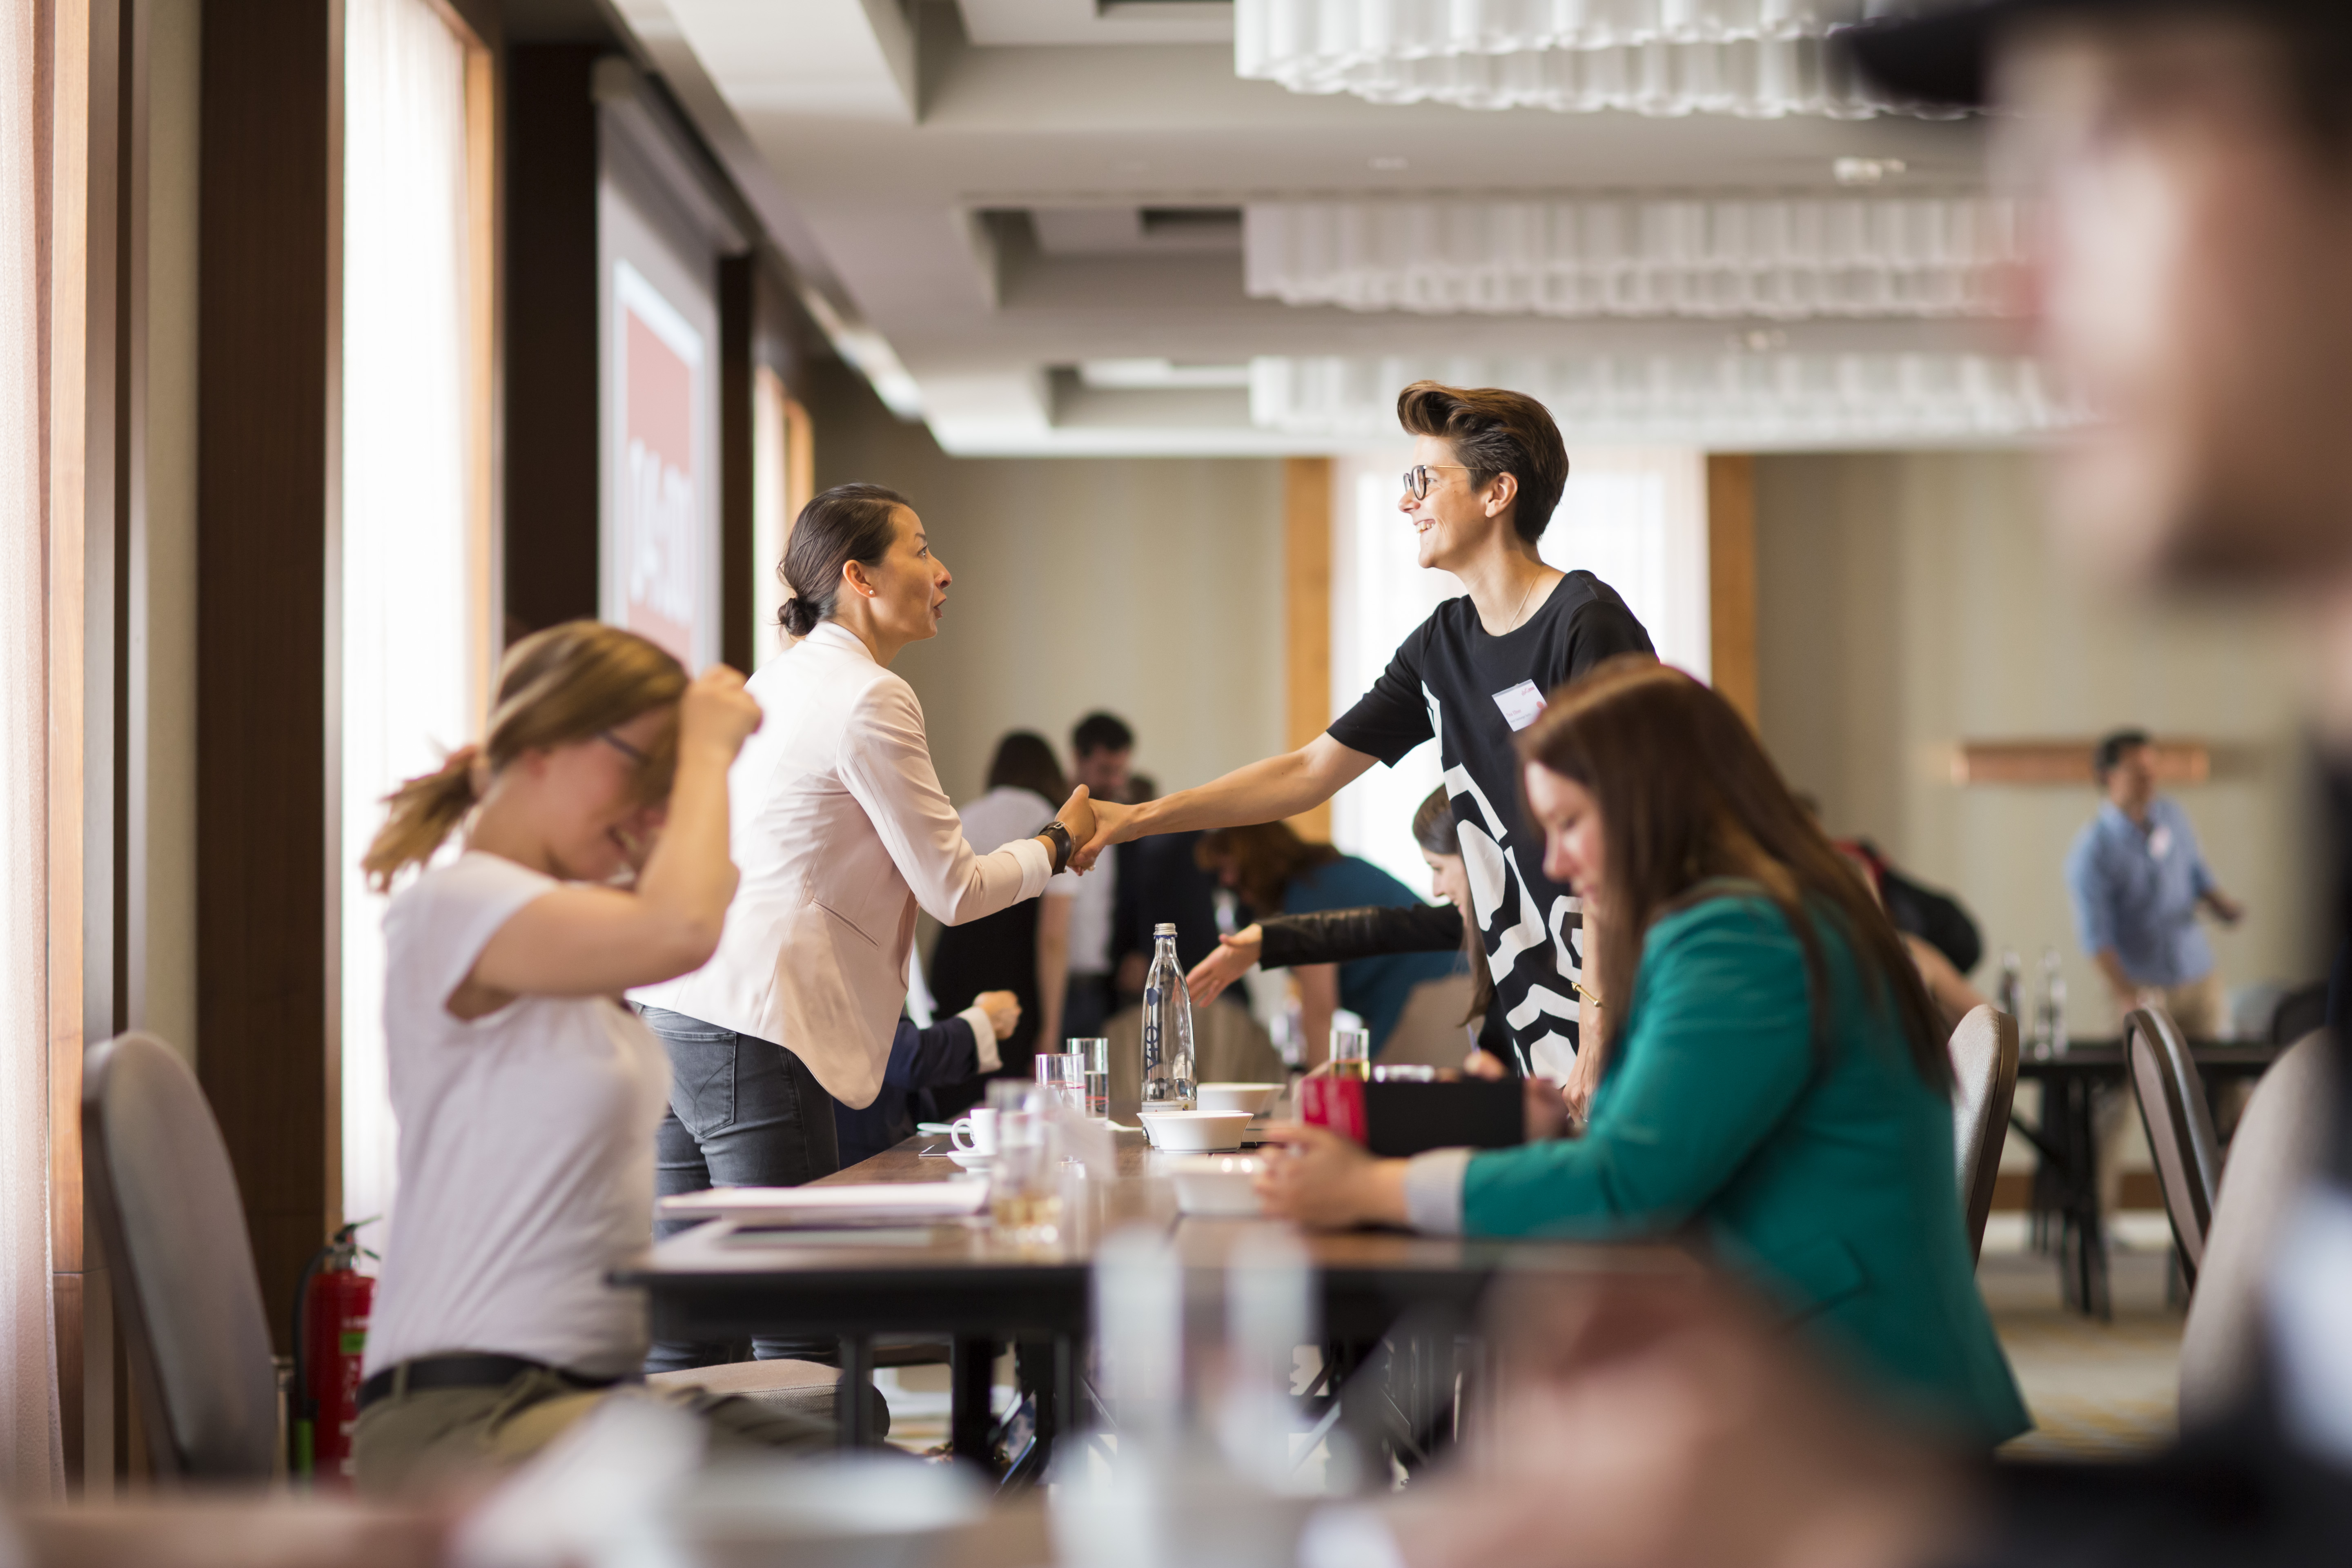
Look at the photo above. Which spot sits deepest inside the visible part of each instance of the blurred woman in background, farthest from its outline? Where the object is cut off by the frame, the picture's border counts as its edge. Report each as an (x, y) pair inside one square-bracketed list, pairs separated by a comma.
[(1276, 872), (1777, 1088)]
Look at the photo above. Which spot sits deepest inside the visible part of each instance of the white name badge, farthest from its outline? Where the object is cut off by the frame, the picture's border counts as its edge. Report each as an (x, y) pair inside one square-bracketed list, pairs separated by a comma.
[(1520, 704), (2160, 843)]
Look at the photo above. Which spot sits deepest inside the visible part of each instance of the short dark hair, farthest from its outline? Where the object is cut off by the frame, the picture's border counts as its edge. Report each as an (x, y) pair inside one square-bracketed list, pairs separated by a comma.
[(1024, 760), (1101, 731), (848, 523), (2111, 750), (1495, 432)]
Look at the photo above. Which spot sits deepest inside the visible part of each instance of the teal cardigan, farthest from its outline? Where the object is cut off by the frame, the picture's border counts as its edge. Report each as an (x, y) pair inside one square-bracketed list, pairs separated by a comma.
[(1828, 1182)]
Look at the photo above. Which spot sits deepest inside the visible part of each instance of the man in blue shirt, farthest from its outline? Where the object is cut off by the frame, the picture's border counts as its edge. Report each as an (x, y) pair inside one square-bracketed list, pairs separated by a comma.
[(2137, 878)]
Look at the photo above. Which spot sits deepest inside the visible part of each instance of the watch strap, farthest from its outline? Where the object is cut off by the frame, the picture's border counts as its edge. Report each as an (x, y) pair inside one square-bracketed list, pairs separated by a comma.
[(1063, 845)]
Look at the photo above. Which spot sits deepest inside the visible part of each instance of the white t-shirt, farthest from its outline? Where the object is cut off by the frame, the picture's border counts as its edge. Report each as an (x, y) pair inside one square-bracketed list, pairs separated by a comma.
[(1006, 814), (526, 1146)]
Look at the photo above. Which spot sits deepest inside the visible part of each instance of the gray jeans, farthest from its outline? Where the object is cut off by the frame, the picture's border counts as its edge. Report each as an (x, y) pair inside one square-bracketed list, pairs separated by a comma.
[(743, 1112)]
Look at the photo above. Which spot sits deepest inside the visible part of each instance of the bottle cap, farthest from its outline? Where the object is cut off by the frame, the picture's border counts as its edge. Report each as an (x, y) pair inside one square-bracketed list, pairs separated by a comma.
[(1165, 928)]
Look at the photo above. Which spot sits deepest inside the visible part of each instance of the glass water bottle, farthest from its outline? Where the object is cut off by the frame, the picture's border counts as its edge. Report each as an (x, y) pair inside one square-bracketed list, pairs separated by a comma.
[(1167, 1026)]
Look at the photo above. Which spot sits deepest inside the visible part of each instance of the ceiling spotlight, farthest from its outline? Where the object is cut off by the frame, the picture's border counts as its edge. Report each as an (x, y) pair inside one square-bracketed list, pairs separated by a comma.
[(1388, 164), (1865, 170)]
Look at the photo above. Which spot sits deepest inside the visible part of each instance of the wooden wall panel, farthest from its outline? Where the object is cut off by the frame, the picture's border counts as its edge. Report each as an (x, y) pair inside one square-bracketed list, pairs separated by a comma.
[(1307, 588), (266, 503), (1731, 576), (551, 368)]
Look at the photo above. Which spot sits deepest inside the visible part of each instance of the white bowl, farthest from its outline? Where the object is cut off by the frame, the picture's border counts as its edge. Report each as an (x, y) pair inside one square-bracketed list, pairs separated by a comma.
[(1217, 1185), (1253, 1097), (1194, 1131)]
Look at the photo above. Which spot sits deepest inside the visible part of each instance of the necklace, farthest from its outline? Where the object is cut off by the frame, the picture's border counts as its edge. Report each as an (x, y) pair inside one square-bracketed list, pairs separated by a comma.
[(1520, 613)]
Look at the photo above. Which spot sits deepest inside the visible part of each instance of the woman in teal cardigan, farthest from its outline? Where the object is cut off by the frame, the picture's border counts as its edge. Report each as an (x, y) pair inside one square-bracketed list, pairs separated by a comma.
[(1778, 1090)]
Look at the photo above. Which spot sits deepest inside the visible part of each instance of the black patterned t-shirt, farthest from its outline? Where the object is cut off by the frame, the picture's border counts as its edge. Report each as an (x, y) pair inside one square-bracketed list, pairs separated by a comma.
[(1472, 692)]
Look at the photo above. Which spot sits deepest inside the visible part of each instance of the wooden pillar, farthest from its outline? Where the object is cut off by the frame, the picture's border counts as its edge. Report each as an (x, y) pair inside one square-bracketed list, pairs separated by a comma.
[(552, 371), (739, 283), (1306, 589), (1731, 576), (270, 248)]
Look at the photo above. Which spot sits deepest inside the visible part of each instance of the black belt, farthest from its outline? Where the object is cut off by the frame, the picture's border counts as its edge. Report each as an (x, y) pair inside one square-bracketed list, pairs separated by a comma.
[(464, 1371)]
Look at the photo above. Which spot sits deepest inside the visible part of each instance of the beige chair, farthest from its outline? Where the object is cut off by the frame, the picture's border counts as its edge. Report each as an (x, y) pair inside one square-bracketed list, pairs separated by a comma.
[(2280, 1140), (1984, 1085), (1429, 1031), (804, 1388), (2179, 1122)]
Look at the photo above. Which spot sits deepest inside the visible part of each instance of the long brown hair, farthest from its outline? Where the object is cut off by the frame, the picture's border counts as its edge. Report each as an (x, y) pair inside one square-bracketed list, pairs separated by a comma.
[(1025, 760), (1685, 794), (568, 683), (1434, 829), (1265, 857)]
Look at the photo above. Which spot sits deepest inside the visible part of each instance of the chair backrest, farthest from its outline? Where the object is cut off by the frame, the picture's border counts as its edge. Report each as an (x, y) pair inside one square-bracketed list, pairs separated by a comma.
[(1984, 1085), (2279, 1143), (2180, 1123), (186, 1288), (1429, 1032)]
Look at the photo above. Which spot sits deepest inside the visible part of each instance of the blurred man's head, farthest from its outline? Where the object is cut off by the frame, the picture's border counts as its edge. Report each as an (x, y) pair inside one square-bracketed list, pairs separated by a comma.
[(2191, 281), (1102, 746), (2126, 766)]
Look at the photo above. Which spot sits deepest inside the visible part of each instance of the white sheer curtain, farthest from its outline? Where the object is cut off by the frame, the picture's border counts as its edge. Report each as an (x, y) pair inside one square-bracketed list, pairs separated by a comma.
[(1633, 517), (410, 641), (31, 1456)]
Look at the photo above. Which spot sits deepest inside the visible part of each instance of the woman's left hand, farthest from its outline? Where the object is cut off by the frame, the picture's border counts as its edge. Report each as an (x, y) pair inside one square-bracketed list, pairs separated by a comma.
[(1329, 1182)]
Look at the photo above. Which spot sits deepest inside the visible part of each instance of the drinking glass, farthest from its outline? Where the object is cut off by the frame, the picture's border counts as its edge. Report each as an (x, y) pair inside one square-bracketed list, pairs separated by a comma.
[(1025, 1194), (1065, 1073), (1095, 1052), (1351, 1054)]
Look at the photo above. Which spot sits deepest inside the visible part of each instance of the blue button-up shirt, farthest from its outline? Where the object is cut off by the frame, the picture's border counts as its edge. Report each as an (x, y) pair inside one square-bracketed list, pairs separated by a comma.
[(2136, 892)]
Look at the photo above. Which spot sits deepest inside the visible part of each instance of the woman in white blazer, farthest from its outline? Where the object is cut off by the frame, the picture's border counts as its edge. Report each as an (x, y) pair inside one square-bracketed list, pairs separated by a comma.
[(842, 832)]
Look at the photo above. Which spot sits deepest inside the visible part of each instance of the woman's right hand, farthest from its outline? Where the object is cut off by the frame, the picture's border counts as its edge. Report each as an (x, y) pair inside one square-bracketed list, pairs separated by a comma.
[(717, 713), (1235, 956)]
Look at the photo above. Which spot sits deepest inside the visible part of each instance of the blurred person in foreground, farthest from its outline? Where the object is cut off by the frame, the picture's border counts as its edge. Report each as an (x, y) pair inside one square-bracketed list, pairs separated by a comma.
[(2137, 878), (1776, 1089), (1102, 751), (2192, 285)]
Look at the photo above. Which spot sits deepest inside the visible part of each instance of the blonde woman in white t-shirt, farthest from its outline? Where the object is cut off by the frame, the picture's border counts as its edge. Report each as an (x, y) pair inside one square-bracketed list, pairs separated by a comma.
[(527, 1094)]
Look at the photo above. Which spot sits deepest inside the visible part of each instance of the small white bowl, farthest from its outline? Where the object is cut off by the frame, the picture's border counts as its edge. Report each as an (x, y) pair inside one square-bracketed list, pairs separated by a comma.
[(1195, 1131), (1253, 1097), (1221, 1186)]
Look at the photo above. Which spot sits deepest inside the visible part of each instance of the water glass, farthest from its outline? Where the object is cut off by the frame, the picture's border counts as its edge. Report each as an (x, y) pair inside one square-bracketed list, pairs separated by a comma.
[(1066, 1074), (1351, 1054), (1095, 1052), (1025, 1194)]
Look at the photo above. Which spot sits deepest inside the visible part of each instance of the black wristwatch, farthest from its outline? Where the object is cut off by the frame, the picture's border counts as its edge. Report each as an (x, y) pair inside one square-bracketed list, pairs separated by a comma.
[(1063, 847)]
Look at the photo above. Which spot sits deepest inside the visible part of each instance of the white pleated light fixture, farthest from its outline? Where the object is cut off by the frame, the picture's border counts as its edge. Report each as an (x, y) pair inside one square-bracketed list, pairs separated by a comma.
[(1785, 258), (1756, 57), (1784, 401)]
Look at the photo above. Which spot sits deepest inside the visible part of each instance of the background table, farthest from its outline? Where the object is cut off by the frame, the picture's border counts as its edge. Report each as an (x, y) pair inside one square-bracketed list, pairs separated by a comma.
[(2066, 1184), (964, 1283)]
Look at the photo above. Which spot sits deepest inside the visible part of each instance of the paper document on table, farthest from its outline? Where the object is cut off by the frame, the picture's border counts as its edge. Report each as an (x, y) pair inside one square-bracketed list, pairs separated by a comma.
[(831, 1205)]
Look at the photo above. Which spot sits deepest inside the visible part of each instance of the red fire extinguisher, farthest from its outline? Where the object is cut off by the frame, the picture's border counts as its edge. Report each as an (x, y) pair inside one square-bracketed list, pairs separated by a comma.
[(330, 1324)]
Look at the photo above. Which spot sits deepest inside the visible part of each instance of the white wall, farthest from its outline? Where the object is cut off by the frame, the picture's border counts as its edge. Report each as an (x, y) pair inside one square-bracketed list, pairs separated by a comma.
[(1152, 587), (1907, 601)]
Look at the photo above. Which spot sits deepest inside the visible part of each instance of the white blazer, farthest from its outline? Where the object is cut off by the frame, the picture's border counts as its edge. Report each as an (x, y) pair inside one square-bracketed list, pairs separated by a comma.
[(840, 829)]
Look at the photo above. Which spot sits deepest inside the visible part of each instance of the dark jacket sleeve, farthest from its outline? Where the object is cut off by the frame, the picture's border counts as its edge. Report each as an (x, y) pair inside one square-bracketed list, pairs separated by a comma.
[(926, 1058), (1342, 936)]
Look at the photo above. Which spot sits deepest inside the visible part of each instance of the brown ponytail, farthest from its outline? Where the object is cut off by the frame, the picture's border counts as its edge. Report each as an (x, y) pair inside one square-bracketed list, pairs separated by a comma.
[(567, 684)]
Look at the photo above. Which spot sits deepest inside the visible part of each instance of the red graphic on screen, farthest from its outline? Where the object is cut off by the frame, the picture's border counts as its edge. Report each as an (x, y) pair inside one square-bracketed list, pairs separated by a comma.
[(658, 516)]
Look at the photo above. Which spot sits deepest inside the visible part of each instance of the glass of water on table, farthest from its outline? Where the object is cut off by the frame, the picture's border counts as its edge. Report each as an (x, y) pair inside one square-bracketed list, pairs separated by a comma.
[(1094, 1055), (1026, 1178), (1065, 1073)]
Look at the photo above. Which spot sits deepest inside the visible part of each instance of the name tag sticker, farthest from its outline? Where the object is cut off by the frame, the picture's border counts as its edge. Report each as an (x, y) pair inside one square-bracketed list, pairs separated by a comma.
[(1520, 704), (2160, 843)]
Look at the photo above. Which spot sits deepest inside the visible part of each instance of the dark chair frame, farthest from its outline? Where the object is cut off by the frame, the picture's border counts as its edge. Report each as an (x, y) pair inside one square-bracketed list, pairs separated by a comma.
[(2180, 1123), (1984, 1163)]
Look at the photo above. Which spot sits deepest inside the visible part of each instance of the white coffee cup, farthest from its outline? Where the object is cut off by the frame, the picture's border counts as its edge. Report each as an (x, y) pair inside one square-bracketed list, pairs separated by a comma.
[(976, 1133)]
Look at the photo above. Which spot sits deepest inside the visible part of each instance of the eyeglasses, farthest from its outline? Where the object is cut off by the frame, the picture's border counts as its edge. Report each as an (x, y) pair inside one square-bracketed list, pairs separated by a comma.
[(621, 746), (1416, 478)]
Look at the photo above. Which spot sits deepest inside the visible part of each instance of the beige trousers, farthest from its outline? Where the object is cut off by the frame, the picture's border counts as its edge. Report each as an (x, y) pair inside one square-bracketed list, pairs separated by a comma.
[(422, 1441)]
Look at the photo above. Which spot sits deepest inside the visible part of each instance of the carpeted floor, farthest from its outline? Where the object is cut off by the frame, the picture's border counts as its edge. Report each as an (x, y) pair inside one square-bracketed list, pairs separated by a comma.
[(2097, 1391)]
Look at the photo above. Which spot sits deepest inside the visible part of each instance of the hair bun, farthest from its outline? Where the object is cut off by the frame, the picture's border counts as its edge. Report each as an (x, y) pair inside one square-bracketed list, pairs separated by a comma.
[(796, 617)]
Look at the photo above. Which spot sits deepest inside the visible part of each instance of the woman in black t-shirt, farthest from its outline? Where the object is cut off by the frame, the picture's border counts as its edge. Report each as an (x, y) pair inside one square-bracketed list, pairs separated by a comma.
[(1488, 470)]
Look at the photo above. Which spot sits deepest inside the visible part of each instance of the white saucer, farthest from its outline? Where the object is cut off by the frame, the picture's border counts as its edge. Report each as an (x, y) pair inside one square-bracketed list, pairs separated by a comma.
[(970, 1161)]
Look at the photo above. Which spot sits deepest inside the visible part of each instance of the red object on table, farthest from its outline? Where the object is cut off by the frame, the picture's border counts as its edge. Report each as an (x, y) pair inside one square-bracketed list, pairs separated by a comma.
[(1337, 1103)]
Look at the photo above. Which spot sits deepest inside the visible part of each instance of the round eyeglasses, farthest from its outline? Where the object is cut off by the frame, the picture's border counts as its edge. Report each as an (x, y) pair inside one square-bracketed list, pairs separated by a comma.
[(1416, 478)]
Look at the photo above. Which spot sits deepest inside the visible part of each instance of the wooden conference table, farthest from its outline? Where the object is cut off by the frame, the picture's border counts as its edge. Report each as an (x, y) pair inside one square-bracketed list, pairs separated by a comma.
[(2066, 1184), (964, 1284)]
